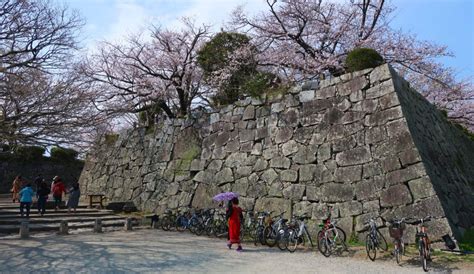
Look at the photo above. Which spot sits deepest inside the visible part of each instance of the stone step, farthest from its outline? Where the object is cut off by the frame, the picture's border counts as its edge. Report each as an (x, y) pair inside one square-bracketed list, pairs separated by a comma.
[(50, 205), (55, 215), (51, 211), (10, 229), (70, 219)]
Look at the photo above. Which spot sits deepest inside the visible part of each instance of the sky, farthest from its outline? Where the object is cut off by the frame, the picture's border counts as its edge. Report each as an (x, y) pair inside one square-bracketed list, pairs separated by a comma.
[(446, 22)]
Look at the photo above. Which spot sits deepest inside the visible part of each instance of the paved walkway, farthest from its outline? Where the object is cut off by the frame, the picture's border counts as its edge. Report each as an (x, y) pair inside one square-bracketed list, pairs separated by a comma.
[(170, 252)]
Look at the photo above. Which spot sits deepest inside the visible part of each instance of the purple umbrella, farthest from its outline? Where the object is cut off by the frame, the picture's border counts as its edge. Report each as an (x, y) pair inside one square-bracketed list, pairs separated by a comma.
[(225, 196)]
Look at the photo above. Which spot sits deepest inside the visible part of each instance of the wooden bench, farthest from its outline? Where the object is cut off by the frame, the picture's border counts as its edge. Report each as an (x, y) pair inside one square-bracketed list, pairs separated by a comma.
[(93, 201)]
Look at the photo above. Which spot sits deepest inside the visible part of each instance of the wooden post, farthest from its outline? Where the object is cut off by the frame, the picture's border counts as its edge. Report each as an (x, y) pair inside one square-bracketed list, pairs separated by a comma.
[(24, 230), (98, 226), (63, 228), (128, 224)]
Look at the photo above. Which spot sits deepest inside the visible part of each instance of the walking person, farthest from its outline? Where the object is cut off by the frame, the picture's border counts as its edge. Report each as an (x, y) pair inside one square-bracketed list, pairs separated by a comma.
[(235, 219), (58, 189), (74, 194), (16, 187), (26, 198), (42, 194), (38, 180)]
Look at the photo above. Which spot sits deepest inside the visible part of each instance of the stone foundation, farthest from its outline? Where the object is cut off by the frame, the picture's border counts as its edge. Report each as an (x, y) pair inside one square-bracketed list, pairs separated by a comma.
[(363, 143)]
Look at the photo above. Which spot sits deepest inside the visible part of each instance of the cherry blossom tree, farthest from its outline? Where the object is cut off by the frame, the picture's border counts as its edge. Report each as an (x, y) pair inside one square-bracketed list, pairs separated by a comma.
[(42, 102), (304, 39), (159, 70)]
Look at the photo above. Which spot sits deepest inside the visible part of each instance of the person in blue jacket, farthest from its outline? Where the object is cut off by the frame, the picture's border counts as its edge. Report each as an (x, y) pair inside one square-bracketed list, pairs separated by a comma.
[(26, 198)]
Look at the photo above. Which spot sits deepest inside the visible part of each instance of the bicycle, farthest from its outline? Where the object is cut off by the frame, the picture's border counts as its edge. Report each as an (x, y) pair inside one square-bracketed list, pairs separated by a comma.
[(299, 233), (275, 231), (191, 221), (374, 240), (331, 238), (248, 226), (219, 226), (395, 229), (424, 244), (168, 220), (262, 218)]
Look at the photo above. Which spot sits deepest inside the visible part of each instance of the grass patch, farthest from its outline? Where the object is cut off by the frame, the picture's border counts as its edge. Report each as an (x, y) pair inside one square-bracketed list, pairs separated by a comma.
[(183, 164)]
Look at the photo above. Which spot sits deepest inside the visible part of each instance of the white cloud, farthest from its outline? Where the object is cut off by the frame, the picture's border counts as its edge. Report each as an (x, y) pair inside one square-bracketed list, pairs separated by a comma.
[(131, 17)]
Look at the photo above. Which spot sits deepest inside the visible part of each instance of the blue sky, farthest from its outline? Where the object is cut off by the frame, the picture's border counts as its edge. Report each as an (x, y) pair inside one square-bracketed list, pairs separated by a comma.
[(447, 22)]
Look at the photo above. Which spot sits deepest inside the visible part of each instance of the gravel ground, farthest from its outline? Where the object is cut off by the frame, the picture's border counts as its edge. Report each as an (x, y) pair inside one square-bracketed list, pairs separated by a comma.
[(171, 252)]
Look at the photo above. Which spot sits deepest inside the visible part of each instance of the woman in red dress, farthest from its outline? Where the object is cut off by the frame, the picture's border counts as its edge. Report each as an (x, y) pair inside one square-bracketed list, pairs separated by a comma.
[(234, 215)]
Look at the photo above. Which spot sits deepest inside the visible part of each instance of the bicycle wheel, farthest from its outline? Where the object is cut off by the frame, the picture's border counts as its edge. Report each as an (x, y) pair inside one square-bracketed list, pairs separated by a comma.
[(341, 234), (323, 246), (166, 223), (282, 239), (259, 235), (269, 236), (370, 247), (293, 240), (208, 227), (381, 242), (181, 223), (398, 252), (423, 259)]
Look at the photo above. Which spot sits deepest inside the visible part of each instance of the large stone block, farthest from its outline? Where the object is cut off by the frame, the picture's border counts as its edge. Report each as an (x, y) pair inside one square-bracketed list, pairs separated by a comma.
[(406, 174), (306, 173), (294, 192), (289, 175), (289, 148), (203, 195), (269, 175), (260, 165), (369, 188), (224, 176), (351, 208), (348, 174), (395, 196), (354, 156), (303, 208), (280, 162), (332, 192), (421, 188), (277, 205), (283, 135), (204, 177), (306, 156), (249, 113), (236, 159)]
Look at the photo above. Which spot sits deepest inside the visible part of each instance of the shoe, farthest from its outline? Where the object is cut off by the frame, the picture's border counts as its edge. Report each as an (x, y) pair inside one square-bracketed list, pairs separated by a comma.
[(229, 246), (239, 249)]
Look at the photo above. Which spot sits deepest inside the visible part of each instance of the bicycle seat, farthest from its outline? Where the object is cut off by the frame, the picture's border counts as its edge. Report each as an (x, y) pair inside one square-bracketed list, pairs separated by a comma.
[(284, 220)]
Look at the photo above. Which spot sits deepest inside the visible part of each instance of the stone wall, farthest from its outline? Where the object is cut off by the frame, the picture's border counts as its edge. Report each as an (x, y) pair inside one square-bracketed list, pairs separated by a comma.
[(345, 144), (10, 167)]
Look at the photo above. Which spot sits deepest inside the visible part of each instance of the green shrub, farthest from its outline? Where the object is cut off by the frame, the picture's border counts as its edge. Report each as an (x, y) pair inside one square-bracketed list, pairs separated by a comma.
[(216, 55), (63, 154), (363, 58), (29, 152), (467, 241), (260, 83)]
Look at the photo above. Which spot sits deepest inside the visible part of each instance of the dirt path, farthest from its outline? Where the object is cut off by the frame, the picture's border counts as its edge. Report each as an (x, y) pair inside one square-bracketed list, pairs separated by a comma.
[(171, 252)]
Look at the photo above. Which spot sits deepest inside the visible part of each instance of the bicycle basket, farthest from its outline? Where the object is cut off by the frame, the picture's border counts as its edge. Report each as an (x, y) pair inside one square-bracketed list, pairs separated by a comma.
[(396, 230), (268, 220)]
